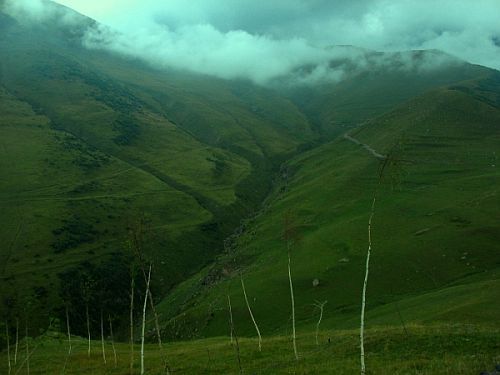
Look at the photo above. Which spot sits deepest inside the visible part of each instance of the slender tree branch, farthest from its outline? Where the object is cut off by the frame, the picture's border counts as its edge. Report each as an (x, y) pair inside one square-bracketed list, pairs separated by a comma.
[(112, 340), (144, 319), (7, 337), (251, 314), (102, 340), (320, 306)]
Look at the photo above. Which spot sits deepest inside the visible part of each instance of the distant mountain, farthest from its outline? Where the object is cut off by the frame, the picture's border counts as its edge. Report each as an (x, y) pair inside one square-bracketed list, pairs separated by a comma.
[(375, 86)]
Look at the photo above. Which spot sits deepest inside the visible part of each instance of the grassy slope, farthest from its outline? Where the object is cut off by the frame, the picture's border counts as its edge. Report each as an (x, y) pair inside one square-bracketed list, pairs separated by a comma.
[(392, 79), (47, 188), (435, 229), (439, 263), (425, 350), (91, 142)]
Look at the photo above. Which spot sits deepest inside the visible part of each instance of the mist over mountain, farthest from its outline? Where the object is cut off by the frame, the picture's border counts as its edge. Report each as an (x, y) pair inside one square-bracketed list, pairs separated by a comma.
[(302, 178), (211, 38)]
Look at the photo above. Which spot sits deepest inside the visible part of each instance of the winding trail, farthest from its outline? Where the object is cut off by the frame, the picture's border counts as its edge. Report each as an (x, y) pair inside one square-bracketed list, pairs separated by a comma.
[(365, 146)]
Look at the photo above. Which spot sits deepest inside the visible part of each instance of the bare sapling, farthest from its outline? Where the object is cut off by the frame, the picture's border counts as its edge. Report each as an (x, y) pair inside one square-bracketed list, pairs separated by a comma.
[(144, 319), (137, 240), (385, 162), (7, 338), (132, 291), (234, 335), (290, 235), (136, 236), (251, 314), (294, 333), (17, 341), (231, 323), (69, 340), (363, 298), (27, 346), (87, 287), (155, 316), (102, 340), (68, 331), (320, 306), (112, 340), (87, 315)]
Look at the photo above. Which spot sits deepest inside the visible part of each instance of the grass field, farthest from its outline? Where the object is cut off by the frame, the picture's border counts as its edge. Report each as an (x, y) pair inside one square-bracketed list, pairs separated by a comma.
[(437, 349)]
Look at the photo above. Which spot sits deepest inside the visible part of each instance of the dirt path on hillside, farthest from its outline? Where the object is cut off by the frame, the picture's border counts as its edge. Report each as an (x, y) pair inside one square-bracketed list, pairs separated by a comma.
[(368, 148)]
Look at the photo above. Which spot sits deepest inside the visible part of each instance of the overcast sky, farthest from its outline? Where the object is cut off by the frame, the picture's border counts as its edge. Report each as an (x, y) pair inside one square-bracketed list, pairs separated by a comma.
[(264, 39)]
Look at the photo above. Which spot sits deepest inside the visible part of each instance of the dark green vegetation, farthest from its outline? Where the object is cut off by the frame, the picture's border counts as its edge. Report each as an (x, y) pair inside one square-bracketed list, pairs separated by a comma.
[(94, 146)]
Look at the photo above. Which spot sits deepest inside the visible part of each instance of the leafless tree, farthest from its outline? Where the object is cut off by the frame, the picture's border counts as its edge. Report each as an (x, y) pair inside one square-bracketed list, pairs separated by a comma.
[(132, 291), (102, 340), (251, 314), (17, 341), (233, 334), (69, 340), (144, 319), (7, 338), (291, 236), (320, 306), (231, 322), (27, 346), (388, 160), (112, 340)]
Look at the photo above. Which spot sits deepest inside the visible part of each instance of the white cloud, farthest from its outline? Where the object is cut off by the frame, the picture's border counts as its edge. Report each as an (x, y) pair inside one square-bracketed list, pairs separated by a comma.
[(266, 40), (204, 49)]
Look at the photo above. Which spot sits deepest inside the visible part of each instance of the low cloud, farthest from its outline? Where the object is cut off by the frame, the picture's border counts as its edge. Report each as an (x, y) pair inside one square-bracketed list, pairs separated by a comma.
[(266, 41), (230, 55), (28, 11)]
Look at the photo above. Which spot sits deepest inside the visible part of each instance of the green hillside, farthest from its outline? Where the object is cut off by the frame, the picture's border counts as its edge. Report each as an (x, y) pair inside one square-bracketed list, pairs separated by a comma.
[(435, 230), (94, 144), (109, 163), (388, 80)]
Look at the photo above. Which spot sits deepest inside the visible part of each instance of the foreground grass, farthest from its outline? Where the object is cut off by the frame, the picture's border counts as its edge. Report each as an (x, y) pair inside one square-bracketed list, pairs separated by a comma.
[(421, 350)]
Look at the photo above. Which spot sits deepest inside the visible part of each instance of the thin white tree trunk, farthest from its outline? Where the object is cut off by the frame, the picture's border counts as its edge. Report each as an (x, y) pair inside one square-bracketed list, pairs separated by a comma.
[(294, 336), (8, 345), (153, 308), (88, 327), (69, 331), (231, 323), (102, 340), (320, 306), (144, 320), (251, 314), (69, 341), (112, 340), (155, 315), (233, 334), (17, 341), (363, 300), (132, 287), (27, 348)]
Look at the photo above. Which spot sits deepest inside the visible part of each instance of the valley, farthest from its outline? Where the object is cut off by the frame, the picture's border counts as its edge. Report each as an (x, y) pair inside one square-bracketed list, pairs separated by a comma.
[(110, 164)]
